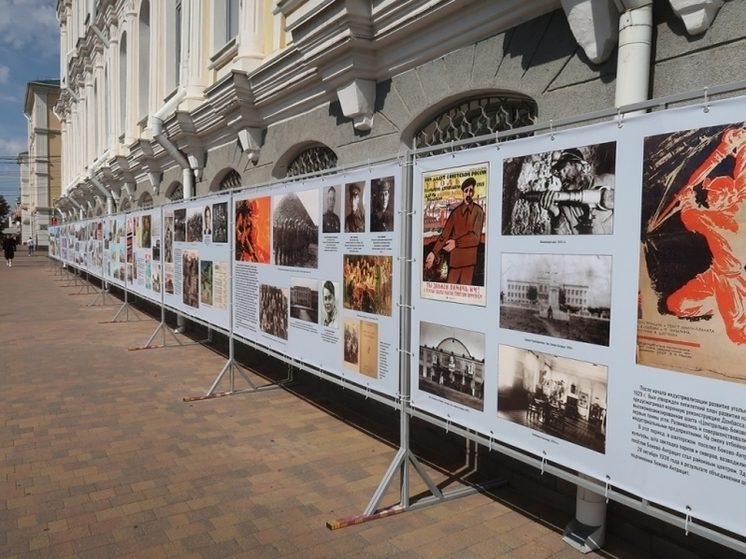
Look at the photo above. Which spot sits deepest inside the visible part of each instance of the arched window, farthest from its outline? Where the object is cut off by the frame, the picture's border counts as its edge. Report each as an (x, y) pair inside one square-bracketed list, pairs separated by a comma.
[(175, 191), (125, 203), (145, 201), (312, 160), (477, 116), (143, 67), (232, 179), (123, 83)]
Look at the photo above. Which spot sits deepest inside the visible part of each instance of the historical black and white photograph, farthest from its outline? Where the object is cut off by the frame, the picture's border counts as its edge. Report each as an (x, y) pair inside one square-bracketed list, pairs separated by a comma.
[(382, 204), (351, 341), (559, 295), (452, 364), (205, 282), (194, 225), (180, 225), (367, 283), (561, 192), (156, 249), (562, 397), (273, 313), (190, 278), (144, 232), (330, 303), (168, 278), (220, 222), (295, 229), (354, 207), (330, 222), (304, 299), (168, 238)]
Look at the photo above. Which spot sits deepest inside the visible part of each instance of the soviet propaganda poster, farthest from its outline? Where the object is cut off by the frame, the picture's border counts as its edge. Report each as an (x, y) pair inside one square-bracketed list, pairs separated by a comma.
[(692, 290), (454, 234)]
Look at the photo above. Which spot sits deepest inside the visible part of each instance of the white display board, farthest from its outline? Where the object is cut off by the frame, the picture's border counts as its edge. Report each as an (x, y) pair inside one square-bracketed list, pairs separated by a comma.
[(196, 258), (142, 237), (544, 331), (114, 249), (316, 273)]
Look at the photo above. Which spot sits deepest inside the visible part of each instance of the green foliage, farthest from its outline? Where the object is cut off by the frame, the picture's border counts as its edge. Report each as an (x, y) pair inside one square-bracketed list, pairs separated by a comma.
[(4, 207)]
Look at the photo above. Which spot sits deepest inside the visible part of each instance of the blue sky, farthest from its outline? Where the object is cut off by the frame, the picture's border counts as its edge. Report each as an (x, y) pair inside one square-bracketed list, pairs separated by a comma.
[(29, 51)]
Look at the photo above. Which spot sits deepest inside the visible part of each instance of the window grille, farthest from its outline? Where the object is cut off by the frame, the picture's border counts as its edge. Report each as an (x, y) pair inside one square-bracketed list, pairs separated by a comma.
[(176, 192), (312, 160), (232, 179), (475, 117), (146, 201)]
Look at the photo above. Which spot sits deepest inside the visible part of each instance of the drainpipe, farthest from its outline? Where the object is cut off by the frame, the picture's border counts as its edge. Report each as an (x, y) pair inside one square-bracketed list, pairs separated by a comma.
[(109, 195), (633, 59), (160, 136)]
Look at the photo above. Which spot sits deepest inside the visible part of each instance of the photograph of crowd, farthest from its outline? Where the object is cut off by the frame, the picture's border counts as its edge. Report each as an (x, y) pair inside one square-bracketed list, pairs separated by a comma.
[(561, 192), (252, 229), (559, 295), (194, 225), (556, 395), (368, 283), (304, 299), (354, 207), (452, 364), (168, 238), (180, 225), (220, 222), (205, 282), (190, 278), (273, 313), (382, 204), (295, 229)]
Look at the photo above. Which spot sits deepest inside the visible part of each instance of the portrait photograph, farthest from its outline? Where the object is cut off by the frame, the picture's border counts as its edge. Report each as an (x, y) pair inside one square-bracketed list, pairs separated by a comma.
[(330, 222), (355, 207), (330, 304), (382, 205)]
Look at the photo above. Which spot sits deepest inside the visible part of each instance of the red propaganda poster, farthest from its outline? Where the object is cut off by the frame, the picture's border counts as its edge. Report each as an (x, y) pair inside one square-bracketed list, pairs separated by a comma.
[(692, 291)]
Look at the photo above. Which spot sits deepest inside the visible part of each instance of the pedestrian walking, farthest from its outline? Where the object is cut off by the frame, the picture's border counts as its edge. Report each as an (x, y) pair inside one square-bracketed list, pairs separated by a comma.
[(30, 244), (9, 247)]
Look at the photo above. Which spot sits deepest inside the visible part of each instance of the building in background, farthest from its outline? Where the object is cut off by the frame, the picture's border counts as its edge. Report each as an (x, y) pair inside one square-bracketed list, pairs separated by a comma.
[(184, 97), (41, 171)]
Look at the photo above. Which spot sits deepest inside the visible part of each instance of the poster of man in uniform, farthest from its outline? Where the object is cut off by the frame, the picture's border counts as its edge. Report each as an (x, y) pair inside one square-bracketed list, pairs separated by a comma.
[(562, 192), (454, 234), (330, 222), (295, 229), (692, 291), (253, 218), (382, 205)]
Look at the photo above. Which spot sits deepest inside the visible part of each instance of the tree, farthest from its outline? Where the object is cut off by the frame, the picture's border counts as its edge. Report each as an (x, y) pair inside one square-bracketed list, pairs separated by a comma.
[(532, 293), (4, 208)]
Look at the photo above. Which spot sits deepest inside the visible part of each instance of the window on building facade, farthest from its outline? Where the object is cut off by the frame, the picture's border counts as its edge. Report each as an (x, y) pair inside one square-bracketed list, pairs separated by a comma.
[(225, 25), (143, 66), (175, 192), (477, 116), (232, 179), (146, 201), (123, 83), (231, 23), (312, 160)]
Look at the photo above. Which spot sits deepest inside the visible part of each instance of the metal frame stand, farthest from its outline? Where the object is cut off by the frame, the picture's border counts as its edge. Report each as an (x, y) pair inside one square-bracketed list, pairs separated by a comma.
[(404, 457), (102, 294), (163, 329), (124, 308)]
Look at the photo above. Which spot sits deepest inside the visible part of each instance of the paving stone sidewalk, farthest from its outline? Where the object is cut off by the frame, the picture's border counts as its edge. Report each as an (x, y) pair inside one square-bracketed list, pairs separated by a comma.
[(100, 457)]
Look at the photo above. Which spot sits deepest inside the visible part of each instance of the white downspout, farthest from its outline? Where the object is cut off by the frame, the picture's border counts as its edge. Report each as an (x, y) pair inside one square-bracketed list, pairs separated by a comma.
[(588, 531), (633, 58), (160, 136)]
